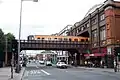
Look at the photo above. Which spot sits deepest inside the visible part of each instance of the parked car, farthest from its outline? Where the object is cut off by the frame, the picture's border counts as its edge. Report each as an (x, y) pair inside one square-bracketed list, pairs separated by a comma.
[(61, 65), (48, 63), (41, 62)]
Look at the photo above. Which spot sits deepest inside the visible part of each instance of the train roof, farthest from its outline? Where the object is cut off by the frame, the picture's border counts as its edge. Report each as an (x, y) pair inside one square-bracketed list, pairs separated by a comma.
[(59, 36)]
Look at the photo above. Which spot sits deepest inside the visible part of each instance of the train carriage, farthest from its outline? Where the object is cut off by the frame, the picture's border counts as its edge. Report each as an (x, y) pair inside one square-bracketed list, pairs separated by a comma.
[(58, 38)]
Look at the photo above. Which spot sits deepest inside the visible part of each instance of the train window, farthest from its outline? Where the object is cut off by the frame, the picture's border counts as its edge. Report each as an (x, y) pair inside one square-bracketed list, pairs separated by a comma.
[(43, 38), (75, 39), (49, 38), (65, 39), (82, 40), (38, 38), (70, 39), (60, 39), (55, 38), (87, 40)]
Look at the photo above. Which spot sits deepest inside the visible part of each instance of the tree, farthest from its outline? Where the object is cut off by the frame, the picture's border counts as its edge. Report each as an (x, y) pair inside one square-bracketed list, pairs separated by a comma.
[(10, 37), (2, 45)]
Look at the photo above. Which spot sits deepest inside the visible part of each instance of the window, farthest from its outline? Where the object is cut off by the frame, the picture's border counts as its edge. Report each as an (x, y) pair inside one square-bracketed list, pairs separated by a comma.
[(82, 28), (65, 39), (82, 40), (43, 38), (70, 39), (102, 17), (87, 25), (49, 38), (94, 35), (75, 39), (94, 21), (102, 33), (78, 30), (38, 38), (60, 39)]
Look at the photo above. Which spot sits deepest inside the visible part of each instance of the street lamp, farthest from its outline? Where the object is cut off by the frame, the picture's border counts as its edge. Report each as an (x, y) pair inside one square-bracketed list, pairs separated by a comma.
[(18, 63)]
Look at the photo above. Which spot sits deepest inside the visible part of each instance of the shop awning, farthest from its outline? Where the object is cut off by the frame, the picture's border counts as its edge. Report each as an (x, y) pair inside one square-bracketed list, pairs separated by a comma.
[(95, 54)]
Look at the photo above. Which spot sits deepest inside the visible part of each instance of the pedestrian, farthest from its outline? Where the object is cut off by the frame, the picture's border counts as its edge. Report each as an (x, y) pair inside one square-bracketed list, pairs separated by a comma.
[(86, 63)]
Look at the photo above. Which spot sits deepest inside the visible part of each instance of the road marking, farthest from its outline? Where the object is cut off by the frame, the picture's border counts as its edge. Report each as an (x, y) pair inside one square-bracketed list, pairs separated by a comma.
[(45, 72), (37, 66), (34, 72)]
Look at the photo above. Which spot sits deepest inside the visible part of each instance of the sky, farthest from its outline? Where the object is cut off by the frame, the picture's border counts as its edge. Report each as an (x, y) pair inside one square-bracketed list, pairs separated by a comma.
[(45, 17)]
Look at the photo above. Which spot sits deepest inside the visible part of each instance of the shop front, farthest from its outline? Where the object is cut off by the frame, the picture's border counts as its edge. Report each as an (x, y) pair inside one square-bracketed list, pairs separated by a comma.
[(97, 57)]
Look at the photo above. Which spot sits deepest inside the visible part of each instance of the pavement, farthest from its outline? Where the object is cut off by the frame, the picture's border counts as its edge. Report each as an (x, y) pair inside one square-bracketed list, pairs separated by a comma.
[(100, 69), (5, 74), (35, 71)]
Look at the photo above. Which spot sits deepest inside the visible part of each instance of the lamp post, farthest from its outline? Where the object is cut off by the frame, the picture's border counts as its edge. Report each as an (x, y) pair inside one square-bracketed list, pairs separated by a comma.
[(21, 5)]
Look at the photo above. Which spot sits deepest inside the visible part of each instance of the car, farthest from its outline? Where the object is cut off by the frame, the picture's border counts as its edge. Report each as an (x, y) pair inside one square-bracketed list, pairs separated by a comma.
[(48, 63), (61, 65), (41, 62)]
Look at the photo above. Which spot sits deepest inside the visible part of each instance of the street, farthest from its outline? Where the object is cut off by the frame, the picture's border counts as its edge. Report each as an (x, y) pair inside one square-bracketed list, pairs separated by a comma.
[(35, 71)]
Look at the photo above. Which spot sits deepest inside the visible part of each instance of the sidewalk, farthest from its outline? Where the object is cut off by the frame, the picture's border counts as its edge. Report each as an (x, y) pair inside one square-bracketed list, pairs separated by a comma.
[(5, 74), (99, 69)]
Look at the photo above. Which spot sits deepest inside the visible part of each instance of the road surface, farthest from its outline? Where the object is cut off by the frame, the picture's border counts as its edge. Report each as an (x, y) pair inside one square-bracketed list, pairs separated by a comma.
[(35, 71)]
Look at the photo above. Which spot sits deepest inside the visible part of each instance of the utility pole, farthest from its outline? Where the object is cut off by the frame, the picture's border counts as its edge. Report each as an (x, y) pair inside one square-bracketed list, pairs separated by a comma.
[(12, 62)]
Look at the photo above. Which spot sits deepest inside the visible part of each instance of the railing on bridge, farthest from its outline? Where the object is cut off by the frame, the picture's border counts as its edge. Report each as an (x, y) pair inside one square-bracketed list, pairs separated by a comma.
[(49, 44)]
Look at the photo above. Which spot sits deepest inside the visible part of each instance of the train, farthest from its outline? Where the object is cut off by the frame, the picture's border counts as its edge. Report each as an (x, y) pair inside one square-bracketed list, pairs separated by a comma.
[(58, 38)]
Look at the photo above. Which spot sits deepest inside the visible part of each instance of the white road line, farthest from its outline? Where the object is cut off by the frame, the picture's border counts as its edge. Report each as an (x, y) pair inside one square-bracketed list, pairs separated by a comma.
[(37, 66), (45, 72)]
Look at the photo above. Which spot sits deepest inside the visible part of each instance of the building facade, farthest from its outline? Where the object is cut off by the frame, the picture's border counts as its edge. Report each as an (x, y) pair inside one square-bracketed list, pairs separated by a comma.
[(102, 27)]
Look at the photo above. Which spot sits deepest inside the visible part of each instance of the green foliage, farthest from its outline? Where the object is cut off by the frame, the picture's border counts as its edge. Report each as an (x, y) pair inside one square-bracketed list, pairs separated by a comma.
[(2, 44), (9, 38), (6, 38)]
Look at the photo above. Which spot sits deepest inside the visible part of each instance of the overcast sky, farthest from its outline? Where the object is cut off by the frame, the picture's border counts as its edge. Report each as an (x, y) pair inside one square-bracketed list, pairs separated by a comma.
[(44, 17)]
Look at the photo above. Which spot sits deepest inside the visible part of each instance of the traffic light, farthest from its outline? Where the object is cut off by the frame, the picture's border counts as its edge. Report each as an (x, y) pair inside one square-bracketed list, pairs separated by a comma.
[(117, 51), (14, 46)]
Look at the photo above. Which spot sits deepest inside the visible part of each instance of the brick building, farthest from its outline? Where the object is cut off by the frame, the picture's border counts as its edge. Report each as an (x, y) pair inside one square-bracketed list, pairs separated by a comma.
[(102, 26)]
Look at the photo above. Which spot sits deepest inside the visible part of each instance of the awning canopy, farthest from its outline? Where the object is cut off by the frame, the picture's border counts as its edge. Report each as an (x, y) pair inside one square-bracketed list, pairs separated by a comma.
[(95, 54)]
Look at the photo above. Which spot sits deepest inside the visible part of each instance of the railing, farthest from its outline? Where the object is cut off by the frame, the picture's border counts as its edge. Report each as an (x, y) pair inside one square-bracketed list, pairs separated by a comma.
[(50, 41), (44, 44)]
